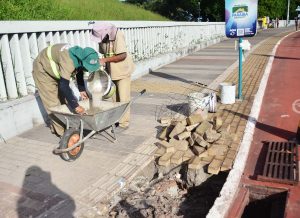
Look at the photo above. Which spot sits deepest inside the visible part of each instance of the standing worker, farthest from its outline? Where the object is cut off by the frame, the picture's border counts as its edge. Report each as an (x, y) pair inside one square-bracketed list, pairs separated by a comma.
[(52, 70), (118, 62)]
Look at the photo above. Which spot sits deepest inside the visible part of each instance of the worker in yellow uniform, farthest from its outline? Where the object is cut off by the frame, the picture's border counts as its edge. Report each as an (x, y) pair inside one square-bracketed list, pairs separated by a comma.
[(117, 60), (52, 71)]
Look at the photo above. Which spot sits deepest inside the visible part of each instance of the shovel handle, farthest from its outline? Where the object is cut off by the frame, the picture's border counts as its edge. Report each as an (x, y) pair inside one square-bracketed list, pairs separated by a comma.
[(201, 84)]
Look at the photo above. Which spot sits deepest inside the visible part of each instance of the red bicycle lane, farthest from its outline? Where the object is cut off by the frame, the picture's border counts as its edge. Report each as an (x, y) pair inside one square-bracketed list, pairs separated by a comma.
[(278, 121)]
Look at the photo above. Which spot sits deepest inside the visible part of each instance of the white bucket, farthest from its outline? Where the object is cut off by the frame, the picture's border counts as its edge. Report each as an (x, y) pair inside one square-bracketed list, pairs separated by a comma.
[(204, 101), (227, 93)]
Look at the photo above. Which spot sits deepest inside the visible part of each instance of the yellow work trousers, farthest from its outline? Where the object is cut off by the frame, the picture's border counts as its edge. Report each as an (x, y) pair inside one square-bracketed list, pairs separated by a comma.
[(123, 95), (48, 91)]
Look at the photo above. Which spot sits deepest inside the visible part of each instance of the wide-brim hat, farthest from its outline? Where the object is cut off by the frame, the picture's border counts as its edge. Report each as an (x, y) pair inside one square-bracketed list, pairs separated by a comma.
[(101, 29)]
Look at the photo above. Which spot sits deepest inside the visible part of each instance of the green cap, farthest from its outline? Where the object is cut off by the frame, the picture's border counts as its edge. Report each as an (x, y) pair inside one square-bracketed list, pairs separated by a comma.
[(86, 57), (90, 59)]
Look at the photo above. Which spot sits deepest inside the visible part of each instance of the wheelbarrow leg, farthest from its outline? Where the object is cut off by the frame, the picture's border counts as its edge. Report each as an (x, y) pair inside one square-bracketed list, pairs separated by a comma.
[(113, 132)]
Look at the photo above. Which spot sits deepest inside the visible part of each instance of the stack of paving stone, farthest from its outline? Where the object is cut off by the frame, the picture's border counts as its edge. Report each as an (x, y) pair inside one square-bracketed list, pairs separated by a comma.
[(198, 141)]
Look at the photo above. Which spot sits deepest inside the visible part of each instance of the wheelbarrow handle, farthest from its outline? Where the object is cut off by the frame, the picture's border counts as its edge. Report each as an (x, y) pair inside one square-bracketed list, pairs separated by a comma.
[(142, 92), (139, 95), (205, 86)]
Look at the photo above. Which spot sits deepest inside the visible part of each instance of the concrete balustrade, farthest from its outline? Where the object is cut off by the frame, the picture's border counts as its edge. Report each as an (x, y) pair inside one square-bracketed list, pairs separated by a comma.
[(151, 44)]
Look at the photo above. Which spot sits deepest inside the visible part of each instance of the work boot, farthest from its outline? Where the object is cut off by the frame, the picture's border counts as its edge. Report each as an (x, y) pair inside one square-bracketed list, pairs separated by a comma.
[(120, 128)]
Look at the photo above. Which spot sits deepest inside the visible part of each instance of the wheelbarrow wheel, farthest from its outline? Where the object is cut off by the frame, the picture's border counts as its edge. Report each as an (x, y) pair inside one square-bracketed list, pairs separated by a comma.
[(69, 138)]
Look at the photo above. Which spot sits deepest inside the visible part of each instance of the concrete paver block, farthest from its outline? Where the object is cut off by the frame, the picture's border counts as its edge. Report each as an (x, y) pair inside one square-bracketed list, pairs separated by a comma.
[(184, 135), (191, 141), (165, 120), (177, 157), (179, 128), (167, 146), (231, 154), (218, 122), (227, 164), (204, 144), (188, 155), (203, 127), (214, 167), (196, 163), (217, 149), (192, 127), (194, 119), (165, 160), (204, 113), (160, 152), (211, 136), (208, 159), (165, 132), (225, 128), (179, 145), (234, 146), (175, 121), (197, 150)]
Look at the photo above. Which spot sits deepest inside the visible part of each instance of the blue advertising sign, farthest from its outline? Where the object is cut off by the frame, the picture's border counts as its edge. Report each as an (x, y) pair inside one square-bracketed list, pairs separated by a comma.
[(240, 18)]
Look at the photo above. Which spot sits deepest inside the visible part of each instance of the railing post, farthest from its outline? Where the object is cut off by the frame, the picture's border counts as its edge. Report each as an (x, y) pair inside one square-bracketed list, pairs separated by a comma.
[(27, 63), (8, 70), (18, 65), (3, 95)]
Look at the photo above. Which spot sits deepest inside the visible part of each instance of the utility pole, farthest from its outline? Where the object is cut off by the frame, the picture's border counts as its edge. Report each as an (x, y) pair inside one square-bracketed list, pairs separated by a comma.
[(199, 18), (288, 14)]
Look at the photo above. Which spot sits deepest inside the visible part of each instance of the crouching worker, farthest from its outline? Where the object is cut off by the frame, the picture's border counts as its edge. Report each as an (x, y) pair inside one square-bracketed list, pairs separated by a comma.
[(52, 71)]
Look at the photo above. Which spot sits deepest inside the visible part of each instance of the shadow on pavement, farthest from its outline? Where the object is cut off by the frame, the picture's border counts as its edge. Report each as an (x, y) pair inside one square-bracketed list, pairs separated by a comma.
[(39, 195), (282, 133), (169, 77), (277, 57)]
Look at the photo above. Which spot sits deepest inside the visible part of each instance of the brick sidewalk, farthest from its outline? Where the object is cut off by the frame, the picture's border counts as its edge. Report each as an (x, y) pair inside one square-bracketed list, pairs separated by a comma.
[(31, 174), (253, 69)]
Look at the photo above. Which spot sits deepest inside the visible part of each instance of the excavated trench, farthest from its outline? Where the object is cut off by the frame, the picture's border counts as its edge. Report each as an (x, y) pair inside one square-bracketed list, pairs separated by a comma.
[(172, 192)]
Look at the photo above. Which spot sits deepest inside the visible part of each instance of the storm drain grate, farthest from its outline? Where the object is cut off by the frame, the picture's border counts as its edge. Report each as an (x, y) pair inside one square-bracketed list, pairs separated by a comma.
[(281, 163)]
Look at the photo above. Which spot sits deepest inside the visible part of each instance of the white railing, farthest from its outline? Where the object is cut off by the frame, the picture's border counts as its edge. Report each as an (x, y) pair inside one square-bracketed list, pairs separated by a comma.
[(21, 41)]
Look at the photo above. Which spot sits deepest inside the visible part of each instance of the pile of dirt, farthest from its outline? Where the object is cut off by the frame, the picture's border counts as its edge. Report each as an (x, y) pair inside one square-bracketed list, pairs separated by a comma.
[(167, 197)]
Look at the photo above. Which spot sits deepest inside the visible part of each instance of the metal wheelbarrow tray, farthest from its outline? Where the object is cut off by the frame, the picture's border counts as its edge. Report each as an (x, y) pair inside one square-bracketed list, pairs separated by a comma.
[(99, 119)]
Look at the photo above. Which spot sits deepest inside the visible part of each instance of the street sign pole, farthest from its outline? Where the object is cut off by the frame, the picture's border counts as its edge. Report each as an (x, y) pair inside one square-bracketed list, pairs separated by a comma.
[(240, 22), (240, 88)]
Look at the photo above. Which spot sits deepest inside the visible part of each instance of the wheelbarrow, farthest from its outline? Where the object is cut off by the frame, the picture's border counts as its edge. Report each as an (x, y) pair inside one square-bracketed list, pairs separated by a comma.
[(100, 119)]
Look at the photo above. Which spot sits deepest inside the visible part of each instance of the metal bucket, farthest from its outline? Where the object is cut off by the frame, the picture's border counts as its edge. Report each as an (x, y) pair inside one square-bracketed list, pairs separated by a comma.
[(227, 93), (97, 82)]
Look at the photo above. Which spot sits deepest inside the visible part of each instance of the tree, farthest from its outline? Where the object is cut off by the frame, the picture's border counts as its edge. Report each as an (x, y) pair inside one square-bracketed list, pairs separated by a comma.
[(185, 10), (272, 8), (214, 10)]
